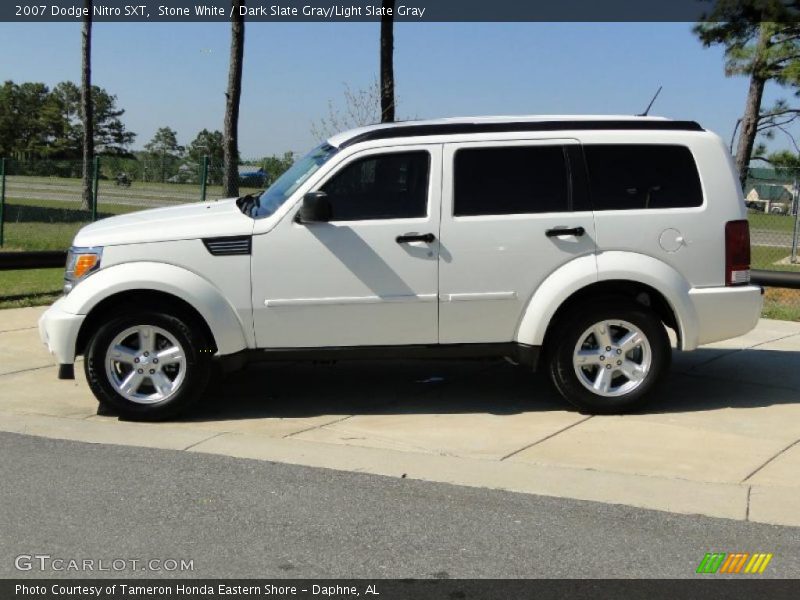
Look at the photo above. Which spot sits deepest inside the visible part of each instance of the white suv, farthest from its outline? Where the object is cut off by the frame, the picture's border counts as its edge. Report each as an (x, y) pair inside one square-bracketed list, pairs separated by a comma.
[(566, 243)]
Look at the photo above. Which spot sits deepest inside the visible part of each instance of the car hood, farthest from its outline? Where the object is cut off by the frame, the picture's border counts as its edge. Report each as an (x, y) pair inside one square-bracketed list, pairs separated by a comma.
[(182, 222)]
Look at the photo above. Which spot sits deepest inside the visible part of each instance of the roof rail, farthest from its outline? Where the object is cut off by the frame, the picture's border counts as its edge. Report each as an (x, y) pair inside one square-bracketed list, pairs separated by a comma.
[(401, 131)]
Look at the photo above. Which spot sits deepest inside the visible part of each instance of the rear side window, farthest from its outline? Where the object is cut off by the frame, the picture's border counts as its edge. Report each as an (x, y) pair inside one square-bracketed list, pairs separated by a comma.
[(642, 176), (510, 180), (386, 186)]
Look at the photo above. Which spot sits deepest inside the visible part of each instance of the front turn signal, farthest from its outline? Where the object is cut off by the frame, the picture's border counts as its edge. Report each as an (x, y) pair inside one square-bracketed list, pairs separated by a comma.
[(84, 263)]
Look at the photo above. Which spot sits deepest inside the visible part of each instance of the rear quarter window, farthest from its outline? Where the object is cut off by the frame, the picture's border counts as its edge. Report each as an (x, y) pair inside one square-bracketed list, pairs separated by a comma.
[(642, 176)]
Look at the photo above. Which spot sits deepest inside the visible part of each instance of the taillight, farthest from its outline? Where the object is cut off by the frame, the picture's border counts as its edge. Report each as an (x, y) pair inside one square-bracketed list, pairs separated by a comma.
[(737, 252)]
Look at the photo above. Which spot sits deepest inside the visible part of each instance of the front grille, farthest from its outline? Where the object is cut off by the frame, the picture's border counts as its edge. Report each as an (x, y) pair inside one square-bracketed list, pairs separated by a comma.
[(229, 246)]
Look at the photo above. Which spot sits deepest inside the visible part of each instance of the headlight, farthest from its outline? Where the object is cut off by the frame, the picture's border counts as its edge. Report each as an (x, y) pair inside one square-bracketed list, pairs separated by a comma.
[(80, 263)]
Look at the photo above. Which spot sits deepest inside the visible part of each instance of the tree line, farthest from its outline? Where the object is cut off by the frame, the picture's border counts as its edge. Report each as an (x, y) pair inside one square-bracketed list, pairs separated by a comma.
[(164, 159), (40, 128), (37, 122)]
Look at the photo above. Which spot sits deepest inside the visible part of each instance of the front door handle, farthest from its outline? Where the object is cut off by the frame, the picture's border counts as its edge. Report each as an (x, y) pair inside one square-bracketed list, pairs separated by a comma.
[(559, 231), (428, 238)]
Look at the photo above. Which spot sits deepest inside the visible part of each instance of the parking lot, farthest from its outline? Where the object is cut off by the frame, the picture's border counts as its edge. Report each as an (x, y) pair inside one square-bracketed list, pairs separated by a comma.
[(721, 440)]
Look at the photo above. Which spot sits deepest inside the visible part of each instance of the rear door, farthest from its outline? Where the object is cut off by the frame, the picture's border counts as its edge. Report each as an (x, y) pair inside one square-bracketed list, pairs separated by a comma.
[(501, 205)]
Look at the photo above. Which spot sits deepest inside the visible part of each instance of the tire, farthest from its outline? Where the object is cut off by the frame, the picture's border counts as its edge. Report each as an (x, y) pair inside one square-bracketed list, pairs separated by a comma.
[(122, 379), (576, 360)]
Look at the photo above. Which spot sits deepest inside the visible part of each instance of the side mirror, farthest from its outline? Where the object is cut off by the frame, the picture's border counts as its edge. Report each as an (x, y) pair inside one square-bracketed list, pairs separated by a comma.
[(316, 208)]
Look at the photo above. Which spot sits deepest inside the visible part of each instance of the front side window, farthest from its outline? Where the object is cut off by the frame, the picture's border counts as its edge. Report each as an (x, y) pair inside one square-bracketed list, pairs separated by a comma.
[(642, 176), (510, 180), (385, 186)]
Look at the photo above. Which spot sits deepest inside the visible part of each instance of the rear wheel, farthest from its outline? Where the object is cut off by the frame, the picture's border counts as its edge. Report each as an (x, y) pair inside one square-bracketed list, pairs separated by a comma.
[(148, 365), (609, 358)]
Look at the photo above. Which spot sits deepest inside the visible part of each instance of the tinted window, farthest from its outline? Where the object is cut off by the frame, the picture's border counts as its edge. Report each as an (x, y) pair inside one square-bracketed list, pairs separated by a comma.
[(511, 180), (642, 176), (389, 186)]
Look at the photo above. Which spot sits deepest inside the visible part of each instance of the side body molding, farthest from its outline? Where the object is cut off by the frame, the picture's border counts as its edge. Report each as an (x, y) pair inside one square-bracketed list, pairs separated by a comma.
[(230, 334)]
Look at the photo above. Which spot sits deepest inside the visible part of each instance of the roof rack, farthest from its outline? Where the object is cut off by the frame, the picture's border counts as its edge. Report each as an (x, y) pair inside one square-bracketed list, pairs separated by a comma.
[(400, 131)]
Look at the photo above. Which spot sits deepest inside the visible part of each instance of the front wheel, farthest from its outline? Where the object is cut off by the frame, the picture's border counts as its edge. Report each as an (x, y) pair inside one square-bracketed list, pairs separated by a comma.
[(607, 359), (148, 366)]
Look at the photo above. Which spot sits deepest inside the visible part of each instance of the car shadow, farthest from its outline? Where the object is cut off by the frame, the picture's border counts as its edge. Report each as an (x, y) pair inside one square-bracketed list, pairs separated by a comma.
[(298, 390), (712, 379), (703, 380)]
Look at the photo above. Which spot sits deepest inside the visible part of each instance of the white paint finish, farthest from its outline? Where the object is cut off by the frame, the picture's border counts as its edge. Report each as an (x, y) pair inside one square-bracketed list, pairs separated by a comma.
[(162, 250), (704, 314), (229, 276), (726, 312), (701, 255), (497, 278), (487, 254), (665, 279), (550, 295), (58, 331), (338, 283), (182, 222), (230, 333)]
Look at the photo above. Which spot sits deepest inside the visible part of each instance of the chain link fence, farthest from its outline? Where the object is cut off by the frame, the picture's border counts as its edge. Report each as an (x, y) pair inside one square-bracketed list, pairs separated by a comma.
[(42, 208), (44, 205), (772, 196)]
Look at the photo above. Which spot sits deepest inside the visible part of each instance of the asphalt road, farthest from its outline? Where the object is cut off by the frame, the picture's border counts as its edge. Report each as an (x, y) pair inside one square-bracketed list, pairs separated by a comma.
[(242, 518)]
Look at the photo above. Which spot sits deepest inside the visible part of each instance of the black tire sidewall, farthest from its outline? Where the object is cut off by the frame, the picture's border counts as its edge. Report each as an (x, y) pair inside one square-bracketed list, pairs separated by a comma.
[(198, 367), (561, 367)]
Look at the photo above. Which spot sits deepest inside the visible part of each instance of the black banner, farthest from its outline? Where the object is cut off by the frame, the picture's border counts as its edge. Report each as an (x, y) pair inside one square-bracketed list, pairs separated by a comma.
[(359, 10), (706, 587)]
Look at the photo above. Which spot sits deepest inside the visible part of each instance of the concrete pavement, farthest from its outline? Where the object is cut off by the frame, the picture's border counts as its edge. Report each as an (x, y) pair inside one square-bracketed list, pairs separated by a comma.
[(722, 440)]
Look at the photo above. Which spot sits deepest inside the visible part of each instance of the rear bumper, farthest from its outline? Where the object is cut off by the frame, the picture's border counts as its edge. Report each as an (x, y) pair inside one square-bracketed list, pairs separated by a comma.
[(724, 312), (58, 330)]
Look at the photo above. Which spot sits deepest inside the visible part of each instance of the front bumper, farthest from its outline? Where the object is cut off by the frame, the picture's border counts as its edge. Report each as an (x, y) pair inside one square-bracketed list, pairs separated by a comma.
[(59, 330), (725, 312)]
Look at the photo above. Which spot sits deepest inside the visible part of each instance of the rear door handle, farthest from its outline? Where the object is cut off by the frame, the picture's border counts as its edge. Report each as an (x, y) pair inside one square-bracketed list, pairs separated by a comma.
[(559, 231), (428, 238)]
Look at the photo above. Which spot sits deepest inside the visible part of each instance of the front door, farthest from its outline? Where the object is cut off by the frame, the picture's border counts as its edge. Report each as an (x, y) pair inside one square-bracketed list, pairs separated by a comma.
[(368, 277)]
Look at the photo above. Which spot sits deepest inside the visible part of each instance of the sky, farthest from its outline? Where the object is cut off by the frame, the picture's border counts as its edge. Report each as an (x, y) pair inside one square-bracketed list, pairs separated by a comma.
[(175, 74)]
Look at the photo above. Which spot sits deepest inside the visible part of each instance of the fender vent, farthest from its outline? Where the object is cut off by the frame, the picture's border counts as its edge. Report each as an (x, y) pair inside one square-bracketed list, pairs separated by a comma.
[(229, 246)]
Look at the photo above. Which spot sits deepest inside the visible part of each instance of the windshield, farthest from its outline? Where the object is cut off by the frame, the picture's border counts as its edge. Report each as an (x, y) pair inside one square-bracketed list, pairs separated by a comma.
[(267, 203)]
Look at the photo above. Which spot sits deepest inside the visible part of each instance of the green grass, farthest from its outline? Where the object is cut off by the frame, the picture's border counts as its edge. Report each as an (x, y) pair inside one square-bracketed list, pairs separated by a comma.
[(30, 288), (782, 304), (759, 220), (781, 312), (48, 224), (41, 225), (765, 257)]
